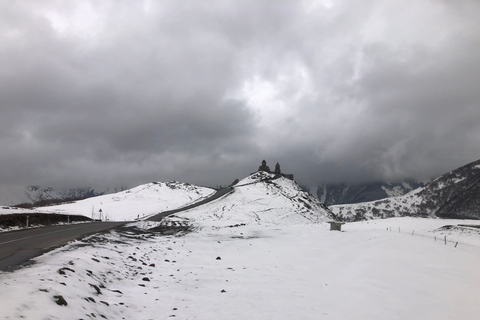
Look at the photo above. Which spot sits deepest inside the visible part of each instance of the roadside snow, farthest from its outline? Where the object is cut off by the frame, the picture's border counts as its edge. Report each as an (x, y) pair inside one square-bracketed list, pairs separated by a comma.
[(255, 271)]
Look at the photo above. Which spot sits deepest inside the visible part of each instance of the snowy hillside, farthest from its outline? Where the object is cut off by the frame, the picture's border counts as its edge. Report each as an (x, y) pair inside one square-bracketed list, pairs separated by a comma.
[(261, 198), (333, 194), (453, 195), (138, 202)]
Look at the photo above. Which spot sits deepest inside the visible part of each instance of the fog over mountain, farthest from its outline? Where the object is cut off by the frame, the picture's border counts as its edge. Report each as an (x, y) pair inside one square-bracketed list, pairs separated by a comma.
[(454, 194), (14, 195), (332, 194), (120, 93)]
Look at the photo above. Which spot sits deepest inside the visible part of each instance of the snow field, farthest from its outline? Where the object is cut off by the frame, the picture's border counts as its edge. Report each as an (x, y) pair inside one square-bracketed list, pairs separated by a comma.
[(298, 271)]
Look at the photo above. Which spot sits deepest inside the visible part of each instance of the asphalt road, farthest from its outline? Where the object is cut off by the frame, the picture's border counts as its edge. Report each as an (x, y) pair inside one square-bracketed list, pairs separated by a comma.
[(216, 195), (17, 247), (220, 193)]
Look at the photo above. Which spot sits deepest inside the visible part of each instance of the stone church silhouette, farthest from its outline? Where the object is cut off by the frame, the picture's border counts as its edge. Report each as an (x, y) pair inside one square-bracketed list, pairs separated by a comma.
[(264, 167)]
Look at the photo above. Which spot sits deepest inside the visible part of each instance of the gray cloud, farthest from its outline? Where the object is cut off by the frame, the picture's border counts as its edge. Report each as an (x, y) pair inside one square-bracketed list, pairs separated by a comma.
[(122, 92)]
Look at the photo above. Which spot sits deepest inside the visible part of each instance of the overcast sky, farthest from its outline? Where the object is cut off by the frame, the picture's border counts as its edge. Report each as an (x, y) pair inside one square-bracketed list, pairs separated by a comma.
[(119, 93)]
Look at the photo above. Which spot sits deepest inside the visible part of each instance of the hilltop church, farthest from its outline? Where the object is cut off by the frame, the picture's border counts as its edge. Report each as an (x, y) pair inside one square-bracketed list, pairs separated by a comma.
[(277, 170)]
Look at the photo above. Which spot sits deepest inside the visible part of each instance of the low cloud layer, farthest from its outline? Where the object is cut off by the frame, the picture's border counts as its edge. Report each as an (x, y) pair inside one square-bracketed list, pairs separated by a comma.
[(125, 92)]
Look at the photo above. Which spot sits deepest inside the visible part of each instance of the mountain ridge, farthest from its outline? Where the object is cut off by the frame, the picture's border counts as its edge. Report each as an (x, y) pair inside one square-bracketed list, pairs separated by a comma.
[(346, 193), (16, 195), (455, 194)]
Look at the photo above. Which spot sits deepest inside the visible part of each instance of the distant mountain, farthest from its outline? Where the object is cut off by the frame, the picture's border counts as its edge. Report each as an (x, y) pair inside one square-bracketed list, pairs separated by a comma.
[(10, 196), (332, 194), (15, 195), (453, 195)]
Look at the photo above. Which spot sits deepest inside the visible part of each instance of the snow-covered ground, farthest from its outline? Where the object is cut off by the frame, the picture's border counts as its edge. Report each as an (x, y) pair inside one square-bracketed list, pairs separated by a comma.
[(256, 271), (263, 251)]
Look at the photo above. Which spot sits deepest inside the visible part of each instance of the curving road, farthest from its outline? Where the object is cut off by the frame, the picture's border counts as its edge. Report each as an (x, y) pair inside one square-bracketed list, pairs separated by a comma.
[(17, 247), (220, 193)]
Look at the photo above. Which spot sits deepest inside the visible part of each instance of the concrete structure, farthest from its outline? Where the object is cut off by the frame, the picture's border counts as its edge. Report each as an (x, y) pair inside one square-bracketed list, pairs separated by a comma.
[(335, 225)]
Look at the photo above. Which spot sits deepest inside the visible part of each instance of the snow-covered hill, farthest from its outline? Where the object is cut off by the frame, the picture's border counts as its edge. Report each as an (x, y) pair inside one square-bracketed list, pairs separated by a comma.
[(453, 195), (13, 195), (332, 194), (138, 202), (261, 198)]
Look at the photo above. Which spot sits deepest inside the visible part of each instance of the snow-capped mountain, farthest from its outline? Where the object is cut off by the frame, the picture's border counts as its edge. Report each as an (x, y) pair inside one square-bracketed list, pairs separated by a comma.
[(261, 198), (89, 192), (332, 194), (135, 203), (453, 195), (32, 194), (16, 195)]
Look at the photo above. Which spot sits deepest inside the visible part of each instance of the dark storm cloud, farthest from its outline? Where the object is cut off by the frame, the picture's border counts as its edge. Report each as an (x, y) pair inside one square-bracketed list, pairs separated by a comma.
[(393, 106), (122, 92), (130, 102)]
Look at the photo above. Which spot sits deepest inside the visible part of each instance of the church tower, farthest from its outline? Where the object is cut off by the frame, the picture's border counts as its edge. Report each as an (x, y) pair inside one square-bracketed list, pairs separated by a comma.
[(277, 169), (264, 167)]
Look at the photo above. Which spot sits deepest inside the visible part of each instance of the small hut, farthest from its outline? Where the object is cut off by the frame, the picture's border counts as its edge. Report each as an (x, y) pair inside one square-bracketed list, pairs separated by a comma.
[(336, 225)]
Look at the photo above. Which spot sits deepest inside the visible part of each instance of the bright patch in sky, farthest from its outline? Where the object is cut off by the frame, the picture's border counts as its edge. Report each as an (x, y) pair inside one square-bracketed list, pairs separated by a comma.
[(84, 21)]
